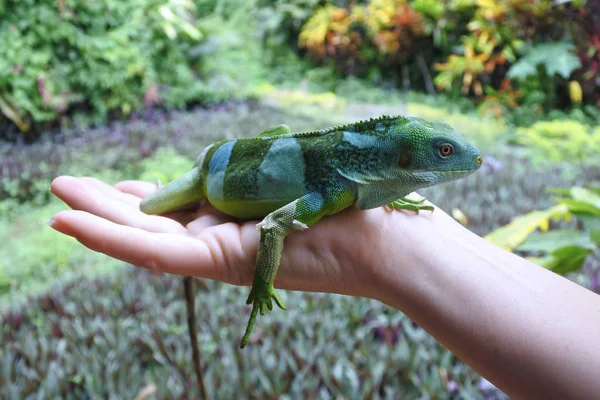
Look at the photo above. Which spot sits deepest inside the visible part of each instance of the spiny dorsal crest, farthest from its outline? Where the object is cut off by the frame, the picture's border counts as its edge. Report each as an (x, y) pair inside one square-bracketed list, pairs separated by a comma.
[(360, 125)]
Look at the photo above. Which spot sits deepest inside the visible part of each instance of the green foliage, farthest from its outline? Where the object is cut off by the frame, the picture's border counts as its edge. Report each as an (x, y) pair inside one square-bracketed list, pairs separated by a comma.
[(164, 166), (537, 71), (278, 24), (375, 39), (554, 58), (562, 140), (515, 233), (471, 44), (96, 58), (563, 250), (60, 344), (33, 255)]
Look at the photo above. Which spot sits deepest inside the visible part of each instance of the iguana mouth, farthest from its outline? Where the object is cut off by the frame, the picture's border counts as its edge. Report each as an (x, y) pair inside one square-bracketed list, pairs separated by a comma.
[(441, 176), (444, 173)]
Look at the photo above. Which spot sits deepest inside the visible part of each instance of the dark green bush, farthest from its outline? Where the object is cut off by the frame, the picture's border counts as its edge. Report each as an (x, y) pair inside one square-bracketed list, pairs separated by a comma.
[(464, 48), (94, 58)]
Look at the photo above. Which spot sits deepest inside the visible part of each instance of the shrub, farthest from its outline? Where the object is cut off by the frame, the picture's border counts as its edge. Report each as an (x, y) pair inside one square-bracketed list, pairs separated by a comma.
[(95, 58), (365, 40), (471, 44), (561, 140), (560, 250)]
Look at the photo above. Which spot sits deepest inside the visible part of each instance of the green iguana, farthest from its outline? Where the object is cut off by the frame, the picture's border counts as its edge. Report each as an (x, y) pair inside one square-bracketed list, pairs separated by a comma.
[(292, 180)]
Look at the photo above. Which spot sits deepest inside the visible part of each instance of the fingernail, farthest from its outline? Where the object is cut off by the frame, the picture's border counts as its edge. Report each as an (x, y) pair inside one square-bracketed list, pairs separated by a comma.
[(51, 222)]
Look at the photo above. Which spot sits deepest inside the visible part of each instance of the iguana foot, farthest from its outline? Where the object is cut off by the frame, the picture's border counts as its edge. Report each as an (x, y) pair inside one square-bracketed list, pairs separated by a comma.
[(409, 204), (260, 298)]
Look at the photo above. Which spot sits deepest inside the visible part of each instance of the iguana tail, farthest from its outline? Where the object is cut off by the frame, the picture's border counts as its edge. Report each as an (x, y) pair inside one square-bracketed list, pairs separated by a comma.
[(180, 193)]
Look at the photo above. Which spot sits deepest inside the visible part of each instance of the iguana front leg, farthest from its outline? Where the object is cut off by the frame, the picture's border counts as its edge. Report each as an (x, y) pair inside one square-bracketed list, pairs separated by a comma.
[(297, 215), (408, 204)]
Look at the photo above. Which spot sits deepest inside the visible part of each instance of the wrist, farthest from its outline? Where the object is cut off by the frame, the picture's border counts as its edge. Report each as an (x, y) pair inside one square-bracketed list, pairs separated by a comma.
[(417, 252)]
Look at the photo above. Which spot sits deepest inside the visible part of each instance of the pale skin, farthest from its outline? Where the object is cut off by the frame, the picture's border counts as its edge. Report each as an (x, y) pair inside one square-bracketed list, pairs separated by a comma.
[(532, 333)]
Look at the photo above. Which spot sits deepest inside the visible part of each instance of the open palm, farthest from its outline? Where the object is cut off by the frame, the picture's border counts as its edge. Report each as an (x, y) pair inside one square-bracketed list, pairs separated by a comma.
[(335, 255)]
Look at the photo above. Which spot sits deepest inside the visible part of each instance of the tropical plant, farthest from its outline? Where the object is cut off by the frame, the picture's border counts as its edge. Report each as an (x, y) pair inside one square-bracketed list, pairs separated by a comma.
[(57, 57), (561, 140), (560, 250), (377, 39)]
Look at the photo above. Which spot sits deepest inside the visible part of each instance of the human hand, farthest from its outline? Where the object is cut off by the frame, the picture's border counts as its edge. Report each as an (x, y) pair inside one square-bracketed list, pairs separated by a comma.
[(340, 254)]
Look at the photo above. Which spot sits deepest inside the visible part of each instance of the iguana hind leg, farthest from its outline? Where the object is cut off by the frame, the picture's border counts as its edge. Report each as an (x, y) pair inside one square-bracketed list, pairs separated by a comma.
[(273, 229)]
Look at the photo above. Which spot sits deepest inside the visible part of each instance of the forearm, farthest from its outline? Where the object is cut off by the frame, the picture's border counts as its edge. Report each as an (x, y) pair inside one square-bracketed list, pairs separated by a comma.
[(531, 332)]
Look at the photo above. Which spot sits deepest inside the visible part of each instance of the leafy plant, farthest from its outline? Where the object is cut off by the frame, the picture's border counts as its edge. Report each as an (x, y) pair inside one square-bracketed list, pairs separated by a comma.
[(536, 71), (561, 140), (363, 38), (60, 343), (471, 44), (561, 250), (95, 58), (553, 58)]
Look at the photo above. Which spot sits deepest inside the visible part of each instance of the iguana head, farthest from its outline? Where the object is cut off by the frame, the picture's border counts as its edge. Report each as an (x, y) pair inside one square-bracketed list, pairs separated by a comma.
[(432, 152), (391, 157)]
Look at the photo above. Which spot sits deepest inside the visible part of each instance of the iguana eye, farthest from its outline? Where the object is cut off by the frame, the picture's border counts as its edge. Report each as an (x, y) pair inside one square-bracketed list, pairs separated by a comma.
[(405, 159), (446, 150)]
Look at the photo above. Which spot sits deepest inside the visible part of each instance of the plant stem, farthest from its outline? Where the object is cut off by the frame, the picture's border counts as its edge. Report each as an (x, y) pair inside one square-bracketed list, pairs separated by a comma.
[(426, 75), (188, 288)]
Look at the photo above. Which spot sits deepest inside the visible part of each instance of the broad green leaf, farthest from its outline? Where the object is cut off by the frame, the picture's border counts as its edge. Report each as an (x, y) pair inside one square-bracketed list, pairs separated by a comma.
[(592, 224), (561, 191), (510, 236), (9, 112), (580, 206), (595, 189), (585, 195), (167, 13), (169, 30), (521, 70), (567, 259), (191, 30), (556, 57), (548, 242)]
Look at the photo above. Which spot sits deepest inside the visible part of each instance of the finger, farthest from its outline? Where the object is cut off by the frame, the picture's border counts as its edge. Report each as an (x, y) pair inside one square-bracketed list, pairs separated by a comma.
[(164, 252), (142, 189), (139, 189), (80, 194), (205, 217), (113, 192)]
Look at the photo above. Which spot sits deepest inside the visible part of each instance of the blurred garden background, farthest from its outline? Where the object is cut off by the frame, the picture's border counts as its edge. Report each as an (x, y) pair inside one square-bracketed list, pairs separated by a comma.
[(135, 89)]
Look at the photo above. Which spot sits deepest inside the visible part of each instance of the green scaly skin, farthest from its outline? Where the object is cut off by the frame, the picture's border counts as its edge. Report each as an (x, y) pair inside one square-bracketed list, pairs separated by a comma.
[(292, 180)]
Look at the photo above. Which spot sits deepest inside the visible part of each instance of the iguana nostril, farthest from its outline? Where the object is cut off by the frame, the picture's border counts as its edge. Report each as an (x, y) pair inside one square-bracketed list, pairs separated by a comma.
[(478, 160)]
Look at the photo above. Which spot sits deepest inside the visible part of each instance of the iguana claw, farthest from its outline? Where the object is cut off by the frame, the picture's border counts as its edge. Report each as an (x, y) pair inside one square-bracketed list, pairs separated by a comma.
[(260, 297)]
